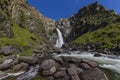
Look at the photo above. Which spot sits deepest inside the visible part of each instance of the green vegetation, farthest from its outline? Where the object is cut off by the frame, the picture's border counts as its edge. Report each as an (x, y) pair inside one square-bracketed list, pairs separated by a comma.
[(22, 18), (2, 13), (22, 38), (40, 78), (109, 35)]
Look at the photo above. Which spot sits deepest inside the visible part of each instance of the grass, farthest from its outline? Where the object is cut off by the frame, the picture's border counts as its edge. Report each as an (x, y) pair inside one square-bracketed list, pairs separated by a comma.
[(22, 38), (110, 35)]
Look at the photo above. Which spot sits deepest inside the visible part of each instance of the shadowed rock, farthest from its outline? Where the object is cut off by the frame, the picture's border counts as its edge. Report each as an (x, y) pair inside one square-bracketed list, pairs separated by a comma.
[(93, 74)]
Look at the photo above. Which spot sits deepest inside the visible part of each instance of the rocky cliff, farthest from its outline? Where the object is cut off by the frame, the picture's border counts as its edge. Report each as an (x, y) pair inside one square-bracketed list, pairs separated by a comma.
[(23, 27)]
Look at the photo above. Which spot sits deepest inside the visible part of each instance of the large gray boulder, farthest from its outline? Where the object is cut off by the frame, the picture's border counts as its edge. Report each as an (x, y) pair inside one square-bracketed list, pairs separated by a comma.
[(73, 73), (93, 74), (7, 50), (49, 67), (29, 60), (85, 66), (6, 64), (92, 64)]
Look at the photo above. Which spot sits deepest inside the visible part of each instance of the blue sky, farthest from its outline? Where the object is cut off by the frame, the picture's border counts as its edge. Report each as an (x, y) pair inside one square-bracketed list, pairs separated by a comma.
[(57, 9)]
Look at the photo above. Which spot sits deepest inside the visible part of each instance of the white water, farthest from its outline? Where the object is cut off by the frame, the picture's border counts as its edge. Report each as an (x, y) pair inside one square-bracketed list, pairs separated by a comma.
[(104, 61), (15, 74), (30, 74), (12, 75), (60, 41)]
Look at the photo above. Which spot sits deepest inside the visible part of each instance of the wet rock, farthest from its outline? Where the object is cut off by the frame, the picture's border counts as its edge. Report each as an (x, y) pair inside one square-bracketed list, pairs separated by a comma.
[(2, 74), (7, 50), (29, 60), (93, 74), (8, 61), (21, 67), (58, 60), (97, 55), (92, 64), (79, 70), (49, 67), (72, 71), (70, 60), (85, 66), (29, 75), (5, 66), (51, 78), (60, 74), (50, 71)]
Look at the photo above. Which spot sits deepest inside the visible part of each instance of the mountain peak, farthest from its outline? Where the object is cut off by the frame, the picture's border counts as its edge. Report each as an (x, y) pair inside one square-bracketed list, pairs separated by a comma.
[(92, 9)]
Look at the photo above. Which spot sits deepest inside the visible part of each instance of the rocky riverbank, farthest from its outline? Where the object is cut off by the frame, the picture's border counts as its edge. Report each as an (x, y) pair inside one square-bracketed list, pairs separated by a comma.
[(94, 48), (55, 68)]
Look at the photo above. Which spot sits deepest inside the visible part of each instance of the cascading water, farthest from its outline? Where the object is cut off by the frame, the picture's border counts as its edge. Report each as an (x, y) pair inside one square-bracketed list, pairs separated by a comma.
[(60, 41), (109, 62), (30, 74)]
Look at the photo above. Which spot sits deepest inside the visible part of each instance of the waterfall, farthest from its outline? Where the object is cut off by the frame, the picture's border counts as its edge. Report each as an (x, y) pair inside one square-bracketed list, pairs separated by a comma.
[(60, 41)]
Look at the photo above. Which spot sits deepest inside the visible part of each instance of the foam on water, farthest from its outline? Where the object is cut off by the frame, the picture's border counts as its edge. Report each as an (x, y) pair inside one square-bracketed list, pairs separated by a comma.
[(105, 61)]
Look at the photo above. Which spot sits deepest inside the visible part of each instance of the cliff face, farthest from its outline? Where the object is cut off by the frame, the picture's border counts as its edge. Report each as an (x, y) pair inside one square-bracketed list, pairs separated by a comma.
[(65, 26)]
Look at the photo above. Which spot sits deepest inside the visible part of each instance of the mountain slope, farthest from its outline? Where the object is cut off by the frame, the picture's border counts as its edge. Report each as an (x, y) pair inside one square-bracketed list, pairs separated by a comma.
[(23, 27), (95, 25), (90, 18)]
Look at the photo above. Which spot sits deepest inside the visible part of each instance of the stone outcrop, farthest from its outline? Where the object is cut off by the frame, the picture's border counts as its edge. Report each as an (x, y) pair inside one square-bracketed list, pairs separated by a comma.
[(65, 26)]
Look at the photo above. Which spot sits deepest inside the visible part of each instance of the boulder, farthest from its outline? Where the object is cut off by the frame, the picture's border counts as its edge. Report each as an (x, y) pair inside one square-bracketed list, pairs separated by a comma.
[(60, 74), (58, 60), (92, 64), (85, 66), (7, 61), (93, 74), (7, 50), (70, 60), (49, 67), (79, 70), (72, 71), (5, 66), (21, 67), (97, 55), (29, 60), (2, 74), (49, 72)]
